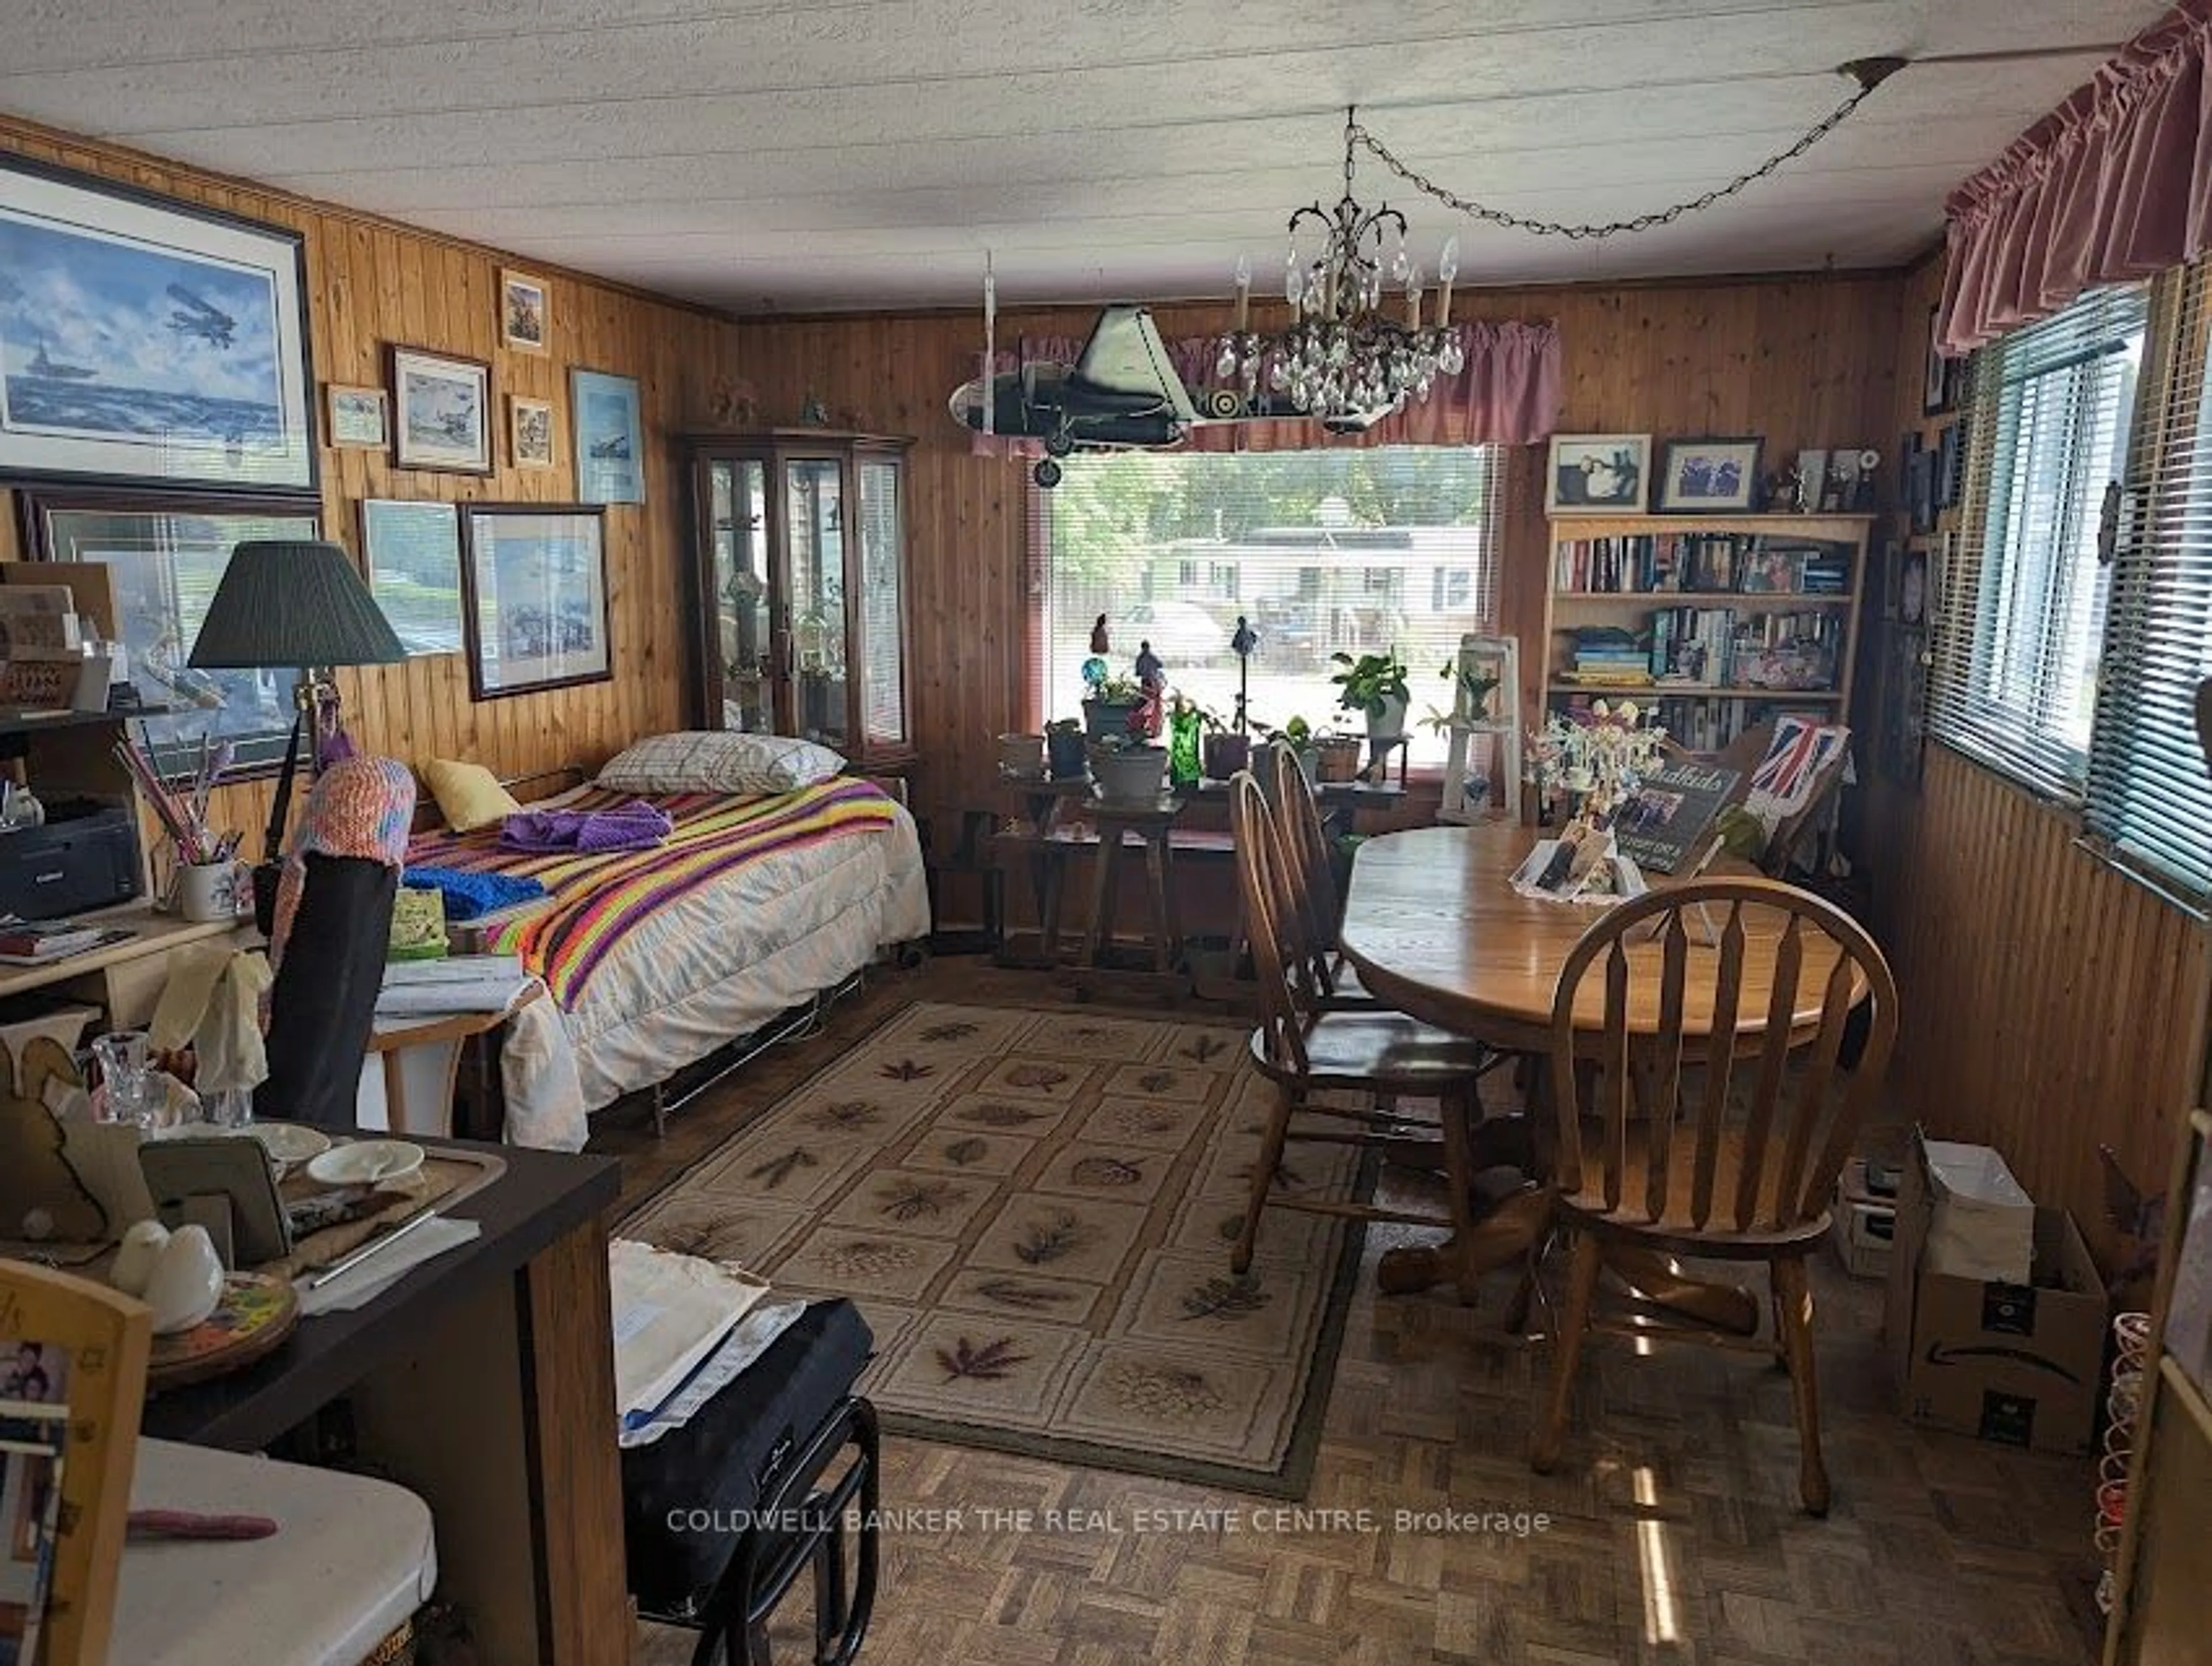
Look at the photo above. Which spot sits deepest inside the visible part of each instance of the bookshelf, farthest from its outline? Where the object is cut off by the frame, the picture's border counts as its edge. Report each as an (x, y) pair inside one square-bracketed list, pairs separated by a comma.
[(1724, 621)]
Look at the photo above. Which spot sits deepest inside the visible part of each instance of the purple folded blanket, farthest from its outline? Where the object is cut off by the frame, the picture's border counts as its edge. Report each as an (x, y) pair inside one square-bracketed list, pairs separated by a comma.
[(634, 826)]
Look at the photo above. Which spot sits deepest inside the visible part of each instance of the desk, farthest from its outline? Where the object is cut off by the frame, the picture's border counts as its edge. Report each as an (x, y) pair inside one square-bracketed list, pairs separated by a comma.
[(1436, 930), (125, 979), (482, 1382)]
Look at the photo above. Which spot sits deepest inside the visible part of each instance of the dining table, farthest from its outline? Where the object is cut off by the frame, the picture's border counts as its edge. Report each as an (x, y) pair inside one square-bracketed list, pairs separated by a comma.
[(1436, 930)]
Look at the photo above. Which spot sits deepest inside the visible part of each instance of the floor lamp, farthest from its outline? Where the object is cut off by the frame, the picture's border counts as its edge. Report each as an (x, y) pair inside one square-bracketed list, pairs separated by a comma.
[(287, 602)]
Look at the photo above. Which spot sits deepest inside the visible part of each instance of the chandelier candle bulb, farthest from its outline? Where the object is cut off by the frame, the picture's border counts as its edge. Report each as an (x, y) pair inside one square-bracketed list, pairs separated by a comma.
[(1243, 292), (1447, 270)]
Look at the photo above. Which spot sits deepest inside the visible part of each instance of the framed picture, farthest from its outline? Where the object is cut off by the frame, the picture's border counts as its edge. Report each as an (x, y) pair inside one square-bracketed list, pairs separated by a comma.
[(444, 406), (165, 553), (360, 416), (1920, 490), (1944, 378), (1708, 477), (1950, 464), (534, 590), (522, 314), (610, 437), (413, 555), (151, 341), (530, 432), (1595, 474), (1912, 588)]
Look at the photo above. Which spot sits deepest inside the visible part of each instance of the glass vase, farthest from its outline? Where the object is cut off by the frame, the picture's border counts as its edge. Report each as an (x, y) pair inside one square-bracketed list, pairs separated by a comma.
[(1182, 748)]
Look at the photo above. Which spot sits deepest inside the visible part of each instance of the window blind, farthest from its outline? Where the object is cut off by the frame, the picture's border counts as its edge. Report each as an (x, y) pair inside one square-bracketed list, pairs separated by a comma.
[(2148, 795), (2015, 641), (1345, 549)]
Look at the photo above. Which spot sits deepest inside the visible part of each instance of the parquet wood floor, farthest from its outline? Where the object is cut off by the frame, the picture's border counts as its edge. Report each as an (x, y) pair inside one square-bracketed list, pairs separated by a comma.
[(1671, 1531)]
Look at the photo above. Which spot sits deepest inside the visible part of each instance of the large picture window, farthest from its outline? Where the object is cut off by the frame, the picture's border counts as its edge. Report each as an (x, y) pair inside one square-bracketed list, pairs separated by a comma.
[(2017, 646), (1345, 550)]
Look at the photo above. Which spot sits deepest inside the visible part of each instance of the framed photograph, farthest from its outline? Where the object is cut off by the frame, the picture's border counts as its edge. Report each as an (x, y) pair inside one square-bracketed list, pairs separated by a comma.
[(610, 437), (534, 590), (1912, 588), (1708, 477), (522, 312), (413, 555), (530, 432), (360, 416), (1950, 464), (1920, 490), (444, 407), (1595, 474), (151, 341), (1940, 387), (166, 552)]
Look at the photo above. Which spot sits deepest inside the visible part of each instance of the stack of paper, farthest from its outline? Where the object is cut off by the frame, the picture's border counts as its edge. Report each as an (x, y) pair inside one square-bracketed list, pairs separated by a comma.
[(463, 983), (671, 1312)]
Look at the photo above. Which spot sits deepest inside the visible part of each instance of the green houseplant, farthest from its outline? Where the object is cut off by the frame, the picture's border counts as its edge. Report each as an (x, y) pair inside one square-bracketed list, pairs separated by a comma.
[(1374, 683), (1064, 757)]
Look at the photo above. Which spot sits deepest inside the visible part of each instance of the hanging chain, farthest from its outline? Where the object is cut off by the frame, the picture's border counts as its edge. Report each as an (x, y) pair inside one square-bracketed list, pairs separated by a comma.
[(1870, 73)]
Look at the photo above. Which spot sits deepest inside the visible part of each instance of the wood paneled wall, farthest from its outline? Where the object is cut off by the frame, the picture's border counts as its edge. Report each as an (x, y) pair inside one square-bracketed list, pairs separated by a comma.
[(1789, 359), (2051, 1004), (371, 284)]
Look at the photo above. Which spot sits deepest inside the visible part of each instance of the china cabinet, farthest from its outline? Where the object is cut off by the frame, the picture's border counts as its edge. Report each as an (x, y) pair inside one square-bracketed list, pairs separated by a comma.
[(799, 586)]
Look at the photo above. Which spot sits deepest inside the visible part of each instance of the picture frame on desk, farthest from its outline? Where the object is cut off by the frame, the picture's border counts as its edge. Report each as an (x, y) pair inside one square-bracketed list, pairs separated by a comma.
[(151, 341)]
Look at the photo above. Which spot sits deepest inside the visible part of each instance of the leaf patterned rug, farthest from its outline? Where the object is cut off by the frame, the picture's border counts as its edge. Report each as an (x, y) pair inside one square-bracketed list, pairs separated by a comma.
[(1033, 1210)]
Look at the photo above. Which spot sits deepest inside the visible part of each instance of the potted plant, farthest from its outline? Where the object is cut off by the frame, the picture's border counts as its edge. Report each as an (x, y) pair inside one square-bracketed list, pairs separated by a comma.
[(1106, 713), (1296, 736), (1128, 768), (1337, 758), (1374, 683), (1065, 755)]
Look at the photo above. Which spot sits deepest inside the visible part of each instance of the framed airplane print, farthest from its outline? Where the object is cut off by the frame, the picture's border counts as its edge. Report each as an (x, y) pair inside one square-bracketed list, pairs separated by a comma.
[(149, 342), (534, 597)]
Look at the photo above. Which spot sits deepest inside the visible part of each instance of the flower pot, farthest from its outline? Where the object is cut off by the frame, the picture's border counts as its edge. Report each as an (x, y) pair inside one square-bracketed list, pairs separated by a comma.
[(1340, 755), (1225, 754), (1129, 774), (1390, 723), (1107, 719), (1066, 754), (1021, 756)]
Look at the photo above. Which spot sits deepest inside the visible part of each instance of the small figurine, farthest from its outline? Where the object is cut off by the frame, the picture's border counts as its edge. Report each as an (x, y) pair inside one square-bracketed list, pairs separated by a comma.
[(814, 413), (1241, 644), (1150, 673), (1100, 643), (1095, 673)]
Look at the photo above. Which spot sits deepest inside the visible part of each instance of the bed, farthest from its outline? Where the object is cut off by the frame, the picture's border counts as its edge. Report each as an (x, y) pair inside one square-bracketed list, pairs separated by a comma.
[(657, 958)]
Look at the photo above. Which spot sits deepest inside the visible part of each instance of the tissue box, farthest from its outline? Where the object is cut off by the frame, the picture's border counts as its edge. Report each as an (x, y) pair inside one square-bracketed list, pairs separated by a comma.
[(1862, 1226), (2017, 1362)]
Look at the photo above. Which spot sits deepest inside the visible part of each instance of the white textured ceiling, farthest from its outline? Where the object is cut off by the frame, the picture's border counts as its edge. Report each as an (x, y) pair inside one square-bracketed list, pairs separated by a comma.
[(867, 153)]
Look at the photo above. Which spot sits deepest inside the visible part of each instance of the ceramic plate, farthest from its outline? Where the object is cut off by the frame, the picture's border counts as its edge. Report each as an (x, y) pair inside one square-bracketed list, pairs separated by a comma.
[(290, 1142), (365, 1162)]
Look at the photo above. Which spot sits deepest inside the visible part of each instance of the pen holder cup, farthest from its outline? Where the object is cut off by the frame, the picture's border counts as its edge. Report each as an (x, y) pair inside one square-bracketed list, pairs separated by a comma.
[(208, 892)]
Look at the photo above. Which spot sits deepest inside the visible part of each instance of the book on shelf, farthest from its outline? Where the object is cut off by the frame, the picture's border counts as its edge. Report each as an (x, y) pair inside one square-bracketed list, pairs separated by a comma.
[(37, 942), (1700, 563), (1663, 827)]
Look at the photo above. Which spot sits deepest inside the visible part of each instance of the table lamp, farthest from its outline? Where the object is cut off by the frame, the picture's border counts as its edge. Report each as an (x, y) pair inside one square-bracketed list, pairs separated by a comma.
[(291, 602)]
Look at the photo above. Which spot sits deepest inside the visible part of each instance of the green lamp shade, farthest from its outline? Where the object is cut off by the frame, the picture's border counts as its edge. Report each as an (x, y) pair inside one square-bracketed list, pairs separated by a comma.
[(293, 602)]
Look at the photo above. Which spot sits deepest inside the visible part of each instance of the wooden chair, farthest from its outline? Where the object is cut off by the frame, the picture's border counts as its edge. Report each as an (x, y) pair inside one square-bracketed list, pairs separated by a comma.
[(1305, 1048), (1684, 1182), (1303, 832)]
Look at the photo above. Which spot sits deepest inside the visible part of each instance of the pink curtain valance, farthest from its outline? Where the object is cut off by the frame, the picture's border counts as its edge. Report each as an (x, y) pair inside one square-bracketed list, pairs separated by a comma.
[(1508, 394), (2115, 184)]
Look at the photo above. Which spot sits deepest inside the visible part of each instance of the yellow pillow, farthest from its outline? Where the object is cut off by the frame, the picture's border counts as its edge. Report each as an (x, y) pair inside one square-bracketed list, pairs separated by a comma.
[(469, 795)]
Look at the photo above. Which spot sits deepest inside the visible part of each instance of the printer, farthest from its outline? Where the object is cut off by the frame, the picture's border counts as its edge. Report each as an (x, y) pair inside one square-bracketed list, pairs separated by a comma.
[(85, 856)]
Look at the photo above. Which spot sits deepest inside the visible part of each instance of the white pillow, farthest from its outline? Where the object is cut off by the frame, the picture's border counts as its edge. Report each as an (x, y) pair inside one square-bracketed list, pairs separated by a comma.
[(714, 761)]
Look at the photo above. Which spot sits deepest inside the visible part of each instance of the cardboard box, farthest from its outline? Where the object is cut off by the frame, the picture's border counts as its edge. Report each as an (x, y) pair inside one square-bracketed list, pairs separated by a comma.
[(2020, 1363), (1862, 1226)]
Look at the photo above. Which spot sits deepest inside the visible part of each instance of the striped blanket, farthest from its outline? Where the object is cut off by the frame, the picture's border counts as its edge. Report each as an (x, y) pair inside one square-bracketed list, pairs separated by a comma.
[(598, 895)]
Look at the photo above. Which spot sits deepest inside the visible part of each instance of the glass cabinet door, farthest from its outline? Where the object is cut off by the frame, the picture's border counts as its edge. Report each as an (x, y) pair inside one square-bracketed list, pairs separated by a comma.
[(883, 675), (814, 523), (742, 634)]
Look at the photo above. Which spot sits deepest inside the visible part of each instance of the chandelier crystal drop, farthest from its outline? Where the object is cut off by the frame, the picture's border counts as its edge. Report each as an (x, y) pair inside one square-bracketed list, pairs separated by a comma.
[(1343, 359)]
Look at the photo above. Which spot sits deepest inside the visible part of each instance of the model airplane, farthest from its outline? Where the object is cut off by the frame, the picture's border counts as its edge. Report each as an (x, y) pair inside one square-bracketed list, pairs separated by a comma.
[(1122, 392), (195, 317)]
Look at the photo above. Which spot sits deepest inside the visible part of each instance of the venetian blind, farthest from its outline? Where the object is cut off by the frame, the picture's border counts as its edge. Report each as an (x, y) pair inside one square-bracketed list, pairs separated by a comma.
[(2148, 795), (2016, 639)]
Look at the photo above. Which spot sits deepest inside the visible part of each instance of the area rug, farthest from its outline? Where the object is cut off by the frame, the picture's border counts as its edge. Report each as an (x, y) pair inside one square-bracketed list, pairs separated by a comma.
[(1033, 1210)]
